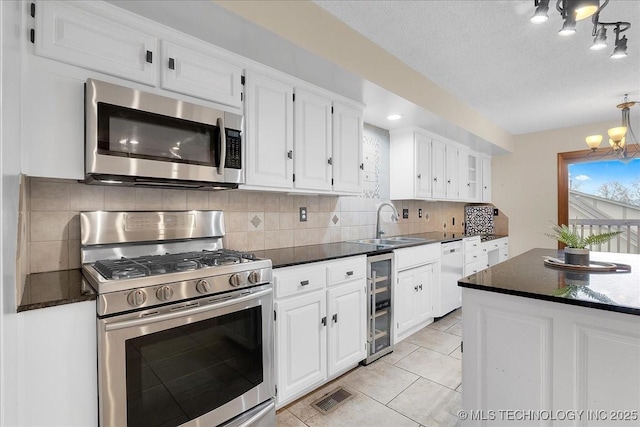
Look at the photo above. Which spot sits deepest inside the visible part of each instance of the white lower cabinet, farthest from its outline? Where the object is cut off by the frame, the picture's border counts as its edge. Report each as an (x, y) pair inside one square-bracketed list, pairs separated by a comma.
[(541, 357), (301, 343), (320, 323), (418, 273), (347, 325), (414, 297)]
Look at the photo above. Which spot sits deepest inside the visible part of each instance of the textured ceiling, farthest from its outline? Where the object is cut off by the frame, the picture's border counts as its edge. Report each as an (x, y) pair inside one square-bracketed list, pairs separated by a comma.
[(521, 76)]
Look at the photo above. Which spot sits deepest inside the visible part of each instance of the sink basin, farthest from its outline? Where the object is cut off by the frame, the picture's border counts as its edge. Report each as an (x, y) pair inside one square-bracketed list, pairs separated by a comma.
[(392, 241)]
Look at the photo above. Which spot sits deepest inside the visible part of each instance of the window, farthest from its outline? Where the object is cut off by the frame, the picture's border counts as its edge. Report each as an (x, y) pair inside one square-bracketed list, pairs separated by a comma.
[(598, 195)]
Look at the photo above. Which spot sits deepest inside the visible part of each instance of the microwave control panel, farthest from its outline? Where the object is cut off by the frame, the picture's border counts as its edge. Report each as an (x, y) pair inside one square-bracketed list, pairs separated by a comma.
[(233, 159)]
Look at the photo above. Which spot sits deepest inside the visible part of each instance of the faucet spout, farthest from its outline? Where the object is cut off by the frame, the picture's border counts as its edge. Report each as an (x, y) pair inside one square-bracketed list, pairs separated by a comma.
[(394, 217)]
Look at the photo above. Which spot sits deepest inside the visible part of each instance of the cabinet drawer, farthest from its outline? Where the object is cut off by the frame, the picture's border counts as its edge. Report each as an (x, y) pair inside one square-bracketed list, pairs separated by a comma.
[(299, 279), (475, 256), (417, 255), (348, 269), (474, 267), (471, 244)]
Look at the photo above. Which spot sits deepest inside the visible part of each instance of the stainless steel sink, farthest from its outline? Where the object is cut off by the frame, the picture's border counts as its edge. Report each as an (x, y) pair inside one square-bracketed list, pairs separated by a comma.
[(392, 241)]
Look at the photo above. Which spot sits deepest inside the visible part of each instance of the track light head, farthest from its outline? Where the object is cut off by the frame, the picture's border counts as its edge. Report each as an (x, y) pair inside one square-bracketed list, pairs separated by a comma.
[(600, 41), (541, 14), (620, 50), (569, 26), (583, 8)]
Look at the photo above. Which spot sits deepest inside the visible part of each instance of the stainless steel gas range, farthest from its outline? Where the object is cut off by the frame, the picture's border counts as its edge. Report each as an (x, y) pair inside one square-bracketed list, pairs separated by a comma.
[(185, 331)]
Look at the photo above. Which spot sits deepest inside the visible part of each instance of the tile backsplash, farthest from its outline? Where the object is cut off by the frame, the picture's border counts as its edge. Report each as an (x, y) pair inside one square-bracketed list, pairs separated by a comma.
[(254, 220)]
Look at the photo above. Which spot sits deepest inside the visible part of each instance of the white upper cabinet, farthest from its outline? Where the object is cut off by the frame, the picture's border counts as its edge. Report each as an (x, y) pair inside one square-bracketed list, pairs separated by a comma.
[(428, 168), (99, 37), (200, 74), (410, 166), (469, 165), (347, 148), (422, 166), (312, 141), (486, 178), (452, 173), (438, 170), (70, 33), (268, 132)]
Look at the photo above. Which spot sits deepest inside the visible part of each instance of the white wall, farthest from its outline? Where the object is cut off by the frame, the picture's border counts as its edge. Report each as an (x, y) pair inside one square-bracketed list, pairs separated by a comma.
[(525, 183), (11, 14)]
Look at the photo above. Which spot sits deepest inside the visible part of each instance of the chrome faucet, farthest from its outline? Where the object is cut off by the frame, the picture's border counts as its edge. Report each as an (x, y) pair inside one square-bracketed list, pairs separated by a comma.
[(394, 217)]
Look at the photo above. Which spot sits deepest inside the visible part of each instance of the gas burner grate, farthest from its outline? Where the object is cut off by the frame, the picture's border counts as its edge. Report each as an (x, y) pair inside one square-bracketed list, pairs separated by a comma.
[(150, 265)]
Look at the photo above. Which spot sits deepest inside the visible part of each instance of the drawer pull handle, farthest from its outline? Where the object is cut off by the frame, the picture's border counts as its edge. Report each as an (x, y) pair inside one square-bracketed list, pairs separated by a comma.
[(304, 283), (349, 273), (335, 318), (324, 321), (420, 287)]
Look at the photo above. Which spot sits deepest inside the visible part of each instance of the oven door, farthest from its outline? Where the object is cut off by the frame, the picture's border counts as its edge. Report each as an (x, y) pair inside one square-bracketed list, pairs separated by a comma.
[(130, 133), (200, 362)]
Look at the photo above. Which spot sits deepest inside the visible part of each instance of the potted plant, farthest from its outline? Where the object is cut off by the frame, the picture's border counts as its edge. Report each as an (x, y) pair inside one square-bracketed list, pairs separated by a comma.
[(576, 252)]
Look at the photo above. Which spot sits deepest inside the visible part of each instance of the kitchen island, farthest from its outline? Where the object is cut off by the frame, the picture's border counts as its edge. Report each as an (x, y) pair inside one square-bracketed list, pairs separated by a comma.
[(545, 346)]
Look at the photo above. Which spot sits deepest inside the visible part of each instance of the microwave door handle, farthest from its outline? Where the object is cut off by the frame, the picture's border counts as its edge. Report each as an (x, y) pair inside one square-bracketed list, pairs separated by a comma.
[(223, 145)]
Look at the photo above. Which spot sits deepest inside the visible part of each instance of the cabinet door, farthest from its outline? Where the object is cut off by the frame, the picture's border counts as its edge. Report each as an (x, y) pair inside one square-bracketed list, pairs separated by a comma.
[(312, 141), (486, 178), (347, 148), (463, 175), (301, 343), (452, 173), (77, 34), (472, 177), (424, 283), (423, 166), (269, 132), (438, 167), (404, 303), (347, 325), (199, 74)]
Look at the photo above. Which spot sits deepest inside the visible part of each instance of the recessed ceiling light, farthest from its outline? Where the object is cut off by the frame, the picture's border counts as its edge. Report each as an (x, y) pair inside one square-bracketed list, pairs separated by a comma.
[(394, 117)]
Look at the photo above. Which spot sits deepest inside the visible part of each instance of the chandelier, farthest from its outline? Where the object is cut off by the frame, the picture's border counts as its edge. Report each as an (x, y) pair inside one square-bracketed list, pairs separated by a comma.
[(622, 139), (577, 10)]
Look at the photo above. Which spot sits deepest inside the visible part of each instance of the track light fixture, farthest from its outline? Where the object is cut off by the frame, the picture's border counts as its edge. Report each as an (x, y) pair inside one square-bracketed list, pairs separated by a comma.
[(572, 11)]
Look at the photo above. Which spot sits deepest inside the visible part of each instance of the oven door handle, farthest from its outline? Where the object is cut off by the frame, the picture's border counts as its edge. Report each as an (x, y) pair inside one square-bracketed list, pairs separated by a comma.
[(186, 312)]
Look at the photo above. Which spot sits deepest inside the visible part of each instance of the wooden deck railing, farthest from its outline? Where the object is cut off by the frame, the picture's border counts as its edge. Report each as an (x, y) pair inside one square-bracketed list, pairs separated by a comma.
[(625, 242)]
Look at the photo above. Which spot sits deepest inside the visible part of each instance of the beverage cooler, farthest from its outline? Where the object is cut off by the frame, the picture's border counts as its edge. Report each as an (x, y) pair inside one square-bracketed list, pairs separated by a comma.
[(380, 278)]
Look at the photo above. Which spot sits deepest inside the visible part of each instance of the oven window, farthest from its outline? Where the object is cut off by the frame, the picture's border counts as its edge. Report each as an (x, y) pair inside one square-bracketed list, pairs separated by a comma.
[(138, 134), (177, 375)]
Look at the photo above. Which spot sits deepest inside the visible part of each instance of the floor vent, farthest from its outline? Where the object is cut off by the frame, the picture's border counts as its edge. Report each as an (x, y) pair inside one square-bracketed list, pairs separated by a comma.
[(329, 402)]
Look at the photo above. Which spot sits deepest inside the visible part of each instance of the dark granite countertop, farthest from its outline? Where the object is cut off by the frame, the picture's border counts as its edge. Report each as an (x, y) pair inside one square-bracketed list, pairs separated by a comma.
[(286, 257), (54, 288), (527, 276)]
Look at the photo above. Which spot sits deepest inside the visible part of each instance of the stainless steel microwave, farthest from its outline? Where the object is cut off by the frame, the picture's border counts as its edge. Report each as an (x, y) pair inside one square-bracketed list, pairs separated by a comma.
[(138, 138)]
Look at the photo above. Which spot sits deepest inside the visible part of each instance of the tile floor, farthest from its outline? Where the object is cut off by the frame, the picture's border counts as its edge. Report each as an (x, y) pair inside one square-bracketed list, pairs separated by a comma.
[(419, 384)]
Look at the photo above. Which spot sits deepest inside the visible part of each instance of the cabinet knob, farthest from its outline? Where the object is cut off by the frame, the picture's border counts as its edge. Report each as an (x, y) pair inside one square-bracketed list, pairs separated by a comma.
[(448, 181), (435, 179), (419, 176), (330, 161), (324, 321), (290, 154), (335, 318), (361, 166)]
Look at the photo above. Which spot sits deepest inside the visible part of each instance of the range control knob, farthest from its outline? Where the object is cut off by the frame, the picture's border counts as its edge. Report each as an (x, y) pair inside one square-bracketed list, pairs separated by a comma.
[(136, 297), (235, 280), (254, 277), (164, 293), (203, 286)]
